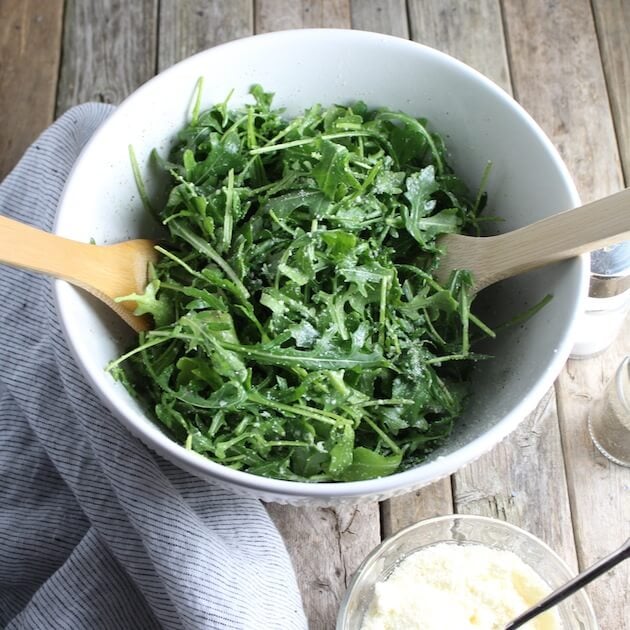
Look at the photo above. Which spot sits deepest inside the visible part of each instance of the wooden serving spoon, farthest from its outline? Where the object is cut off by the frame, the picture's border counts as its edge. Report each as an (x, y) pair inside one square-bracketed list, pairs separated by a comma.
[(564, 235), (105, 271)]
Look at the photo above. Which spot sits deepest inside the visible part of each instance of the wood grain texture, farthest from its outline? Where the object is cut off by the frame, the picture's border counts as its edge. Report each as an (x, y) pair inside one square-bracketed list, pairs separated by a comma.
[(30, 43), (501, 483), (522, 481), (470, 30), (599, 490), (277, 15), (189, 26), (612, 19), (398, 512), (326, 546), (109, 49), (558, 78), (381, 16)]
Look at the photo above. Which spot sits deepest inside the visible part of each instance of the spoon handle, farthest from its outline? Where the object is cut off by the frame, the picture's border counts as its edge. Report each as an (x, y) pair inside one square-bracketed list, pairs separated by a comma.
[(105, 271), (578, 230), (603, 565), (558, 237), (29, 248)]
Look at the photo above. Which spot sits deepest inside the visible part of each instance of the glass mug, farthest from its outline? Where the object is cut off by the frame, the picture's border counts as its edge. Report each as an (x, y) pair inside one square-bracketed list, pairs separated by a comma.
[(609, 420)]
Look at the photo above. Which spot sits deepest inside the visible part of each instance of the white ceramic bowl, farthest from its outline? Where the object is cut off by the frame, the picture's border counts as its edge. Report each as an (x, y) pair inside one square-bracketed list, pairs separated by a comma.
[(479, 121), (576, 612)]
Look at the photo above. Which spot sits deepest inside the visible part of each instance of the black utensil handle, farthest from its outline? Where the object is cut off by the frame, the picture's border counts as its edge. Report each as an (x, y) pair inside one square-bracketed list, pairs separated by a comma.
[(555, 597)]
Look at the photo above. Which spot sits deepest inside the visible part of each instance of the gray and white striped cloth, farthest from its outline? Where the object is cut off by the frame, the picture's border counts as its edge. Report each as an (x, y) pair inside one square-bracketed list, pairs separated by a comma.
[(95, 530)]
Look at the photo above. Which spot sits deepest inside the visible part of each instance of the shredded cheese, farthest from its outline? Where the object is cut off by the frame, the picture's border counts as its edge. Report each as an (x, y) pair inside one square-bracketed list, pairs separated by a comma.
[(458, 587)]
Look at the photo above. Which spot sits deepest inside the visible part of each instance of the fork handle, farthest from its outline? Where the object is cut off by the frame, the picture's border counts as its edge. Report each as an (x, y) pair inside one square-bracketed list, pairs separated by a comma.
[(561, 236)]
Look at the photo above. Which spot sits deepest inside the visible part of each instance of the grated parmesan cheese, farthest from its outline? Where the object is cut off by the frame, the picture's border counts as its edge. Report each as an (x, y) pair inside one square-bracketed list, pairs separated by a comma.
[(458, 587)]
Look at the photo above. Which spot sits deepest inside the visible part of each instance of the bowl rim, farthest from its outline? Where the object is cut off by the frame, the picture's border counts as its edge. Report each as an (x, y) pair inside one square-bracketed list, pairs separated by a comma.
[(474, 518), (432, 470)]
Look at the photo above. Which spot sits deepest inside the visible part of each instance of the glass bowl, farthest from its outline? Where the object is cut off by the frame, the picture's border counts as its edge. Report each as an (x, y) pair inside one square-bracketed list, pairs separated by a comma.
[(576, 612)]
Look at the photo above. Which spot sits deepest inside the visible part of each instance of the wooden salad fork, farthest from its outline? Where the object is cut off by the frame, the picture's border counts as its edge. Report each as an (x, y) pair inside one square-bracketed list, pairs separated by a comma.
[(105, 271), (564, 235)]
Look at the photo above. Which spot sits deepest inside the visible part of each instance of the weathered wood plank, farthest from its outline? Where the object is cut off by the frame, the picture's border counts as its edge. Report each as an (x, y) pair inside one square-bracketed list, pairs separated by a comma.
[(612, 19), (109, 49), (399, 512), (277, 15), (326, 546), (558, 78), (502, 483), (470, 30), (599, 490), (30, 43), (523, 481), (189, 26), (381, 16)]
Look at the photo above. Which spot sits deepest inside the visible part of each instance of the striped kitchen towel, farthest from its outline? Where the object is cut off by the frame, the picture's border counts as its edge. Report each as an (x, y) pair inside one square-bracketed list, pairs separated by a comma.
[(96, 531)]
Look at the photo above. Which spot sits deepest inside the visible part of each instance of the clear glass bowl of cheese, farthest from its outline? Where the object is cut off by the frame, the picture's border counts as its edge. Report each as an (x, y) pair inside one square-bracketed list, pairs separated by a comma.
[(460, 572)]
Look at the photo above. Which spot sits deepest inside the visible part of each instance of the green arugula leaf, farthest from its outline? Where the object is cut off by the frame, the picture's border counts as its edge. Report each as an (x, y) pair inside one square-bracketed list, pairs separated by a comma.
[(367, 464), (149, 303), (332, 173)]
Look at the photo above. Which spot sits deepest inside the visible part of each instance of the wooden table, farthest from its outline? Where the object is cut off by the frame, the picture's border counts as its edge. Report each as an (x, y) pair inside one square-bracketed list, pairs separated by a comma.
[(566, 61)]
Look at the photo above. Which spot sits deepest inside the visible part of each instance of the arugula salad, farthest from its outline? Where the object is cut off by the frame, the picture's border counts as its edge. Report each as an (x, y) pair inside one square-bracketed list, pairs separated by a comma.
[(299, 333)]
